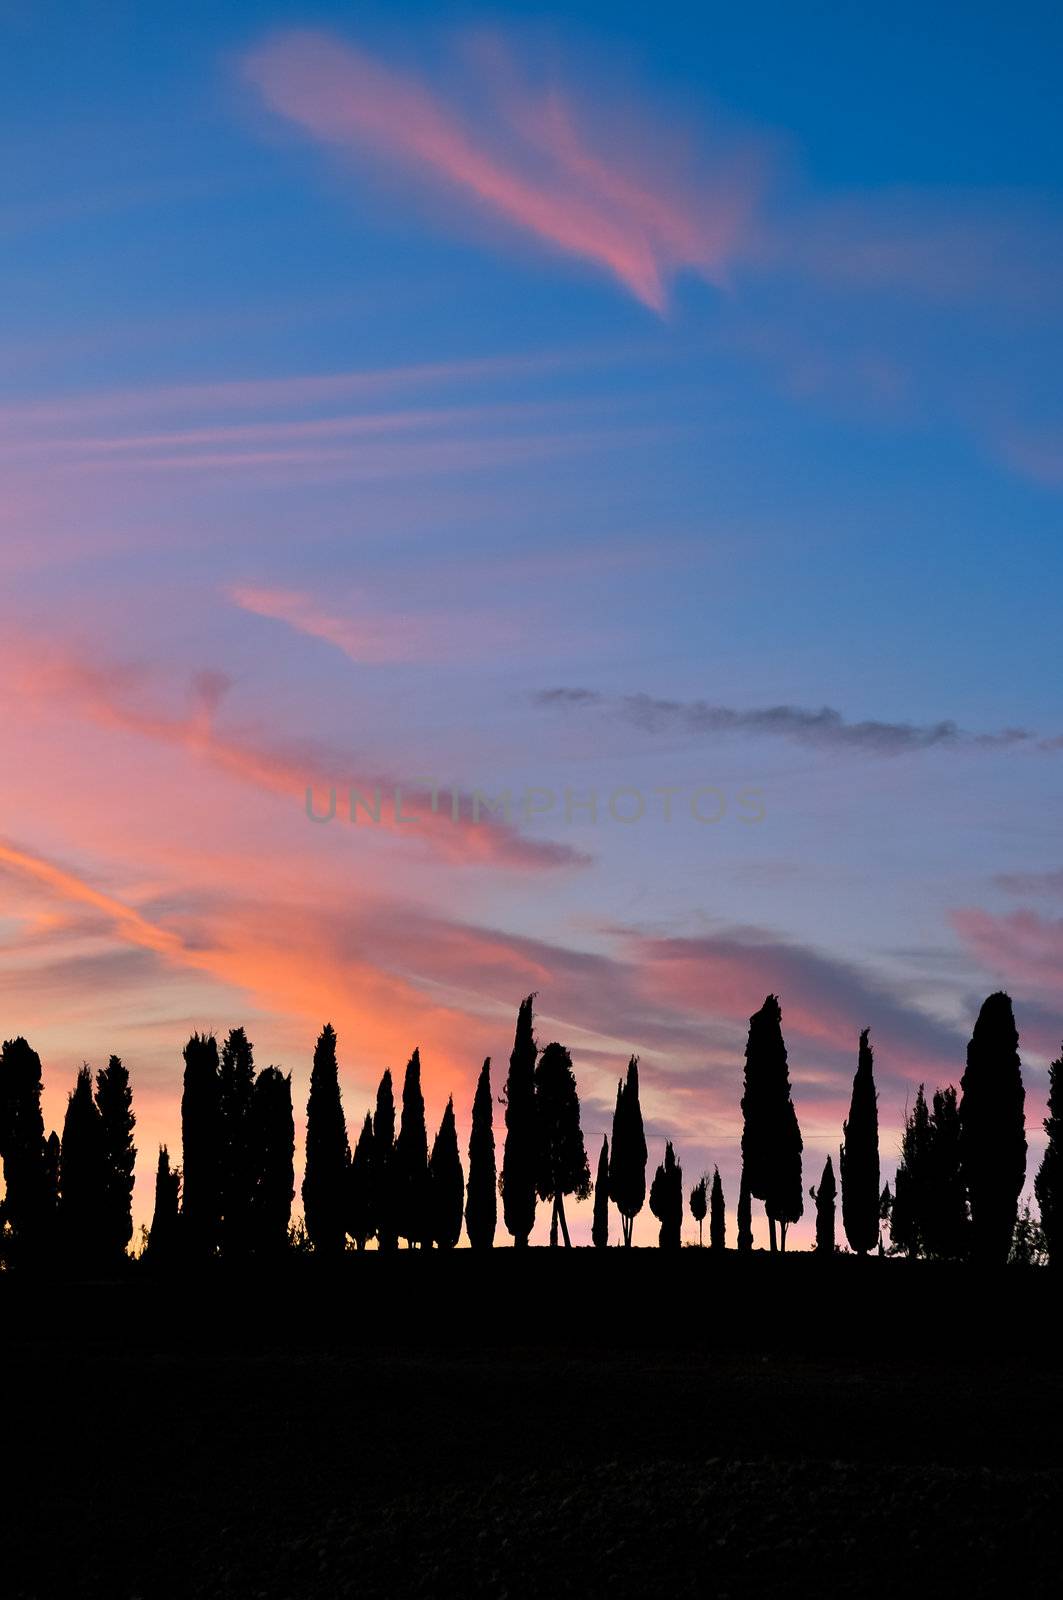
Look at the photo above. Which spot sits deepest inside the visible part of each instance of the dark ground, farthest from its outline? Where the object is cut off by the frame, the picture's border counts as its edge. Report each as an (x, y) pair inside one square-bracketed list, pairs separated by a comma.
[(585, 1424)]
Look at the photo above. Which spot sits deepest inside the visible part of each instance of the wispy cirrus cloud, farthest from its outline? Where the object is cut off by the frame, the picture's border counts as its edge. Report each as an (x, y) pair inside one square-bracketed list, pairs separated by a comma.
[(822, 728), (369, 634), (525, 157)]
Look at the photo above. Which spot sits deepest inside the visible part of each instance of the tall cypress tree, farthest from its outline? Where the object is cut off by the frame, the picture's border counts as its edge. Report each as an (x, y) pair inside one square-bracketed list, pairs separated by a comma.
[(517, 1182), (162, 1239), (114, 1100), (945, 1222), (825, 1197), (911, 1186), (446, 1185), (745, 1214), (666, 1200), (237, 1088), (29, 1205), (628, 1156), (272, 1162), (561, 1165), (481, 1206), (859, 1157), (411, 1161), (361, 1217), (771, 1138), (1048, 1185), (717, 1214), (201, 1145), (327, 1153), (993, 1129), (600, 1219), (83, 1178), (384, 1164), (699, 1206)]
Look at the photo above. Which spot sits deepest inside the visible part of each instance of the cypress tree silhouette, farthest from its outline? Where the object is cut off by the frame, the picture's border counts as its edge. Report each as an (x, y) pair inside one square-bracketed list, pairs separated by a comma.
[(885, 1210), (945, 1223), (993, 1130), (383, 1165), (53, 1154), (201, 1142), (1048, 1184), (272, 1162), (162, 1239), (745, 1214), (29, 1204), (825, 1197), (627, 1160), (859, 1157), (561, 1165), (911, 1186), (411, 1161), (361, 1219), (666, 1200), (481, 1206), (771, 1138), (237, 1088), (517, 1181), (114, 1100), (717, 1214), (83, 1178), (327, 1152), (699, 1206), (446, 1184), (600, 1219)]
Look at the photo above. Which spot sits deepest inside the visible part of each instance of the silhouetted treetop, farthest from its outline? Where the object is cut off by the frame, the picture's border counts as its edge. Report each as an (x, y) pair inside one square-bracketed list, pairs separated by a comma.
[(666, 1200), (627, 1157), (717, 1214), (446, 1184), (517, 1181), (481, 1207), (410, 1164), (327, 1152), (561, 1157), (859, 1157), (114, 1100), (600, 1220), (993, 1129)]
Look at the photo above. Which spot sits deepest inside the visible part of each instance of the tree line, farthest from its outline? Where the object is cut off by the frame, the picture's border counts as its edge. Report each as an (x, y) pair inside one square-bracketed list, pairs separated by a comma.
[(68, 1199)]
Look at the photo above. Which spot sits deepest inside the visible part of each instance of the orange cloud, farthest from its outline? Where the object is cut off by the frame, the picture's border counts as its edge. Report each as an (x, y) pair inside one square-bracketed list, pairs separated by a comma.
[(532, 165)]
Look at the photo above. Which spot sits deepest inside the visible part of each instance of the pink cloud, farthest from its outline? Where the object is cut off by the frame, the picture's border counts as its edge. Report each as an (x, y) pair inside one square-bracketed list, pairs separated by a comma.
[(527, 161), (1022, 947), (365, 633)]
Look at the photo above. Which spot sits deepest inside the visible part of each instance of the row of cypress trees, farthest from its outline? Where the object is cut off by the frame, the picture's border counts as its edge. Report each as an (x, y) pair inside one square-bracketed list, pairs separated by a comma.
[(962, 1166)]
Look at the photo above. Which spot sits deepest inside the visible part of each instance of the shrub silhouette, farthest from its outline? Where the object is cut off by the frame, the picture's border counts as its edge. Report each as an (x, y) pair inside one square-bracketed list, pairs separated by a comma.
[(993, 1130), (517, 1182), (327, 1152), (600, 1220), (628, 1155), (666, 1200), (717, 1214), (410, 1163), (561, 1158), (446, 1185), (481, 1205), (859, 1157)]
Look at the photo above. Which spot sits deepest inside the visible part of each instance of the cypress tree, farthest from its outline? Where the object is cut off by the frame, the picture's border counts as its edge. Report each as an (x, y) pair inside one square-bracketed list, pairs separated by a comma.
[(327, 1152), (162, 1239), (771, 1138), (627, 1160), (859, 1157), (361, 1220), (666, 1200), (825, 1197), (717, 1214), (29, 1204), (236, 1087), (699, 1206), (745, 1214), (201, 1143), (912, 1184), (517, 1182), (383, 1164), (481, 1206), (600, 1219), (945, 1219), (561, 1166), (993, 1130), (83, 1177), (1048, 1185), (114, 1100), (446, 1184), (411, 1161), (272, 1162)]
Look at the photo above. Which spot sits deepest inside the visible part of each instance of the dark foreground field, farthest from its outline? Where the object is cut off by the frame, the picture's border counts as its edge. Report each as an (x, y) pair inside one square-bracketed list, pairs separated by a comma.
[(564, 1425)]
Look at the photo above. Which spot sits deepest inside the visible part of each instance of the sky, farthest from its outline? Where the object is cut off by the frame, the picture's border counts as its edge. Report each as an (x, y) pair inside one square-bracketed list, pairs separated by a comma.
[(651, 416)]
